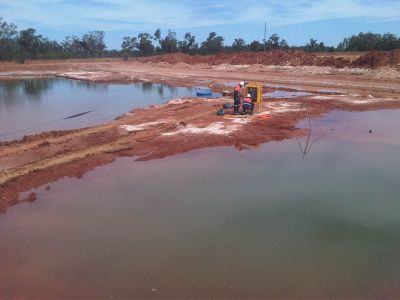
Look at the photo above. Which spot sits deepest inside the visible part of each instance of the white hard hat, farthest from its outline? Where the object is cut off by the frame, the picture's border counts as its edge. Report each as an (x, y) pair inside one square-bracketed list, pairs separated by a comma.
[(241, 83), (248, 95)]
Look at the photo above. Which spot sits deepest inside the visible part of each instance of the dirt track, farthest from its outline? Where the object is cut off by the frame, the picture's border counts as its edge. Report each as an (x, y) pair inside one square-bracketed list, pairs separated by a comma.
[(182, 124)]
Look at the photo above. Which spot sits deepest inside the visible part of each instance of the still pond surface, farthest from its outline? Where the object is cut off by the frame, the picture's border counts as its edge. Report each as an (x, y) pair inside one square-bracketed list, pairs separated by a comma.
[(273, 222), (35, 105)]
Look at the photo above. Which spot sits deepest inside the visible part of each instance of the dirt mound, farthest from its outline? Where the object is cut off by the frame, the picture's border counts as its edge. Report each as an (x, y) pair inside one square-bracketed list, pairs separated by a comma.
[(331, 61), (378, 59), (173, 58), (276, 57), (181, 65), (269, 58), (281, 58)]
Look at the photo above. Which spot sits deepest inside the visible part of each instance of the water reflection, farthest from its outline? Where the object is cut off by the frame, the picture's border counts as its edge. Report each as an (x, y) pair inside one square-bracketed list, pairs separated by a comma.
[(34, 105), (35, 88), (286, 94), (244, 147), (146, 86), (12, 91), (90, 85), (217, 223), (164, 91), (160, 90), (305, 144), (311, 124)]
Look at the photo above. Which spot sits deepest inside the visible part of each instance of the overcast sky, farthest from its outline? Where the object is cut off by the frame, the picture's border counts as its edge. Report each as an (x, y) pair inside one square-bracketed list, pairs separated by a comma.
[(296, 21)]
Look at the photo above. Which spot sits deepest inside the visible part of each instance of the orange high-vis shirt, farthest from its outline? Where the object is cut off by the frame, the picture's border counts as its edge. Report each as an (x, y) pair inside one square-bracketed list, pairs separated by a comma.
[(247, 100)]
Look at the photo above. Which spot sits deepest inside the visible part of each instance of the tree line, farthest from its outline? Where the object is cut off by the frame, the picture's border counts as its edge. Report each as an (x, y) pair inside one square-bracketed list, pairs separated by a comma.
[(27, 44)]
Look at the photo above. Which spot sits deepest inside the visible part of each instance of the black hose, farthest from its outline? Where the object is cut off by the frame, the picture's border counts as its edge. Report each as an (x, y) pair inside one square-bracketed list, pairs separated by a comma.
[(78, 115)]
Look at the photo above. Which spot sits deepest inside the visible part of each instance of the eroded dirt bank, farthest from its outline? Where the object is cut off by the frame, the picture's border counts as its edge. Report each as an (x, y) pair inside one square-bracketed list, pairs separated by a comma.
[(180, 125)]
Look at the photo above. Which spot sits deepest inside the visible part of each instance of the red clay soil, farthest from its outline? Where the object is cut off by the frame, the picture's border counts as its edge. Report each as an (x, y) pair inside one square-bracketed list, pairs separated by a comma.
[(378, 59), (331, 61), (269, 58), (174, 58), (283, 58), (155, 132), (275, 57), (176, 127)]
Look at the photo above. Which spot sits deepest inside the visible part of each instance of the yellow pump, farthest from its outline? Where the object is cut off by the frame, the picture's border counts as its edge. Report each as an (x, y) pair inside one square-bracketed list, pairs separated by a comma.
[(255, 90)]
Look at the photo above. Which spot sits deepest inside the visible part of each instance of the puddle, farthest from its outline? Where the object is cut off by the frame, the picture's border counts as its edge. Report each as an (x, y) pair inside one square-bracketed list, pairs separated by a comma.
[(285, 94), (219, 223), (323, 91), (338, 92), (34, 105), (285, 86)]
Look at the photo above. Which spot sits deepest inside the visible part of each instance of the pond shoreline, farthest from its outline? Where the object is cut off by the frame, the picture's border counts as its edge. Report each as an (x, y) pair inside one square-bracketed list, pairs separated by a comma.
[(178, 126)]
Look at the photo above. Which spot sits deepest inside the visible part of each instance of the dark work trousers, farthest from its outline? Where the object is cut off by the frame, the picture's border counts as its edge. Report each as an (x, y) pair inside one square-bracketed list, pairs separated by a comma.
[(236, 103), (248, 107)]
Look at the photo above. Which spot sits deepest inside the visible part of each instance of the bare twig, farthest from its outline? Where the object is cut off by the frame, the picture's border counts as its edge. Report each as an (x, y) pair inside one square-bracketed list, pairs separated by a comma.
[(308, 144)]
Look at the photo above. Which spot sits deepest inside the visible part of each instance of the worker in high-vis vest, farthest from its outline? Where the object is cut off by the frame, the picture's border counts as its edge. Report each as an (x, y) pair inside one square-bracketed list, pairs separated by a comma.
[(248, 105), (236, 97)]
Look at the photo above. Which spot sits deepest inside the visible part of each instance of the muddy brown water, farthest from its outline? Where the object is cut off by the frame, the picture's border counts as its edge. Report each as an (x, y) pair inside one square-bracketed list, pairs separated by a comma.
[(33, 105), (269, 222)]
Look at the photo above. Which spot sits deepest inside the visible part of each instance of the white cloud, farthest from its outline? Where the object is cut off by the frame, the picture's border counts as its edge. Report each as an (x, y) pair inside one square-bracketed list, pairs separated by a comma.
[(292, 12), (111, 15)]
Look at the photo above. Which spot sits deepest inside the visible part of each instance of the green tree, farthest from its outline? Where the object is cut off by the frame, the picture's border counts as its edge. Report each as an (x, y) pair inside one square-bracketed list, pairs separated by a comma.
[(273, 42), (314, 46), (169, 44), (214, 44), (8, 34), (370, 41), (7, 31), (73, 47), (129, 46), (29, 43), (343, 44), (93, 43), (157, 34), (256, 46), (363, 42), (239, 44), (283, 44), (50, 49), (157, 37), (388, 41), (145, 44), (188, 45)]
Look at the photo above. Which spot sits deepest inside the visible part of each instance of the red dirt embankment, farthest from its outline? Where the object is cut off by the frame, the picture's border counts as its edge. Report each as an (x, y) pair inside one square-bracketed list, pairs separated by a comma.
[(275, 57), (283, 58), (181, 125), (178, 126), (378, 59)]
